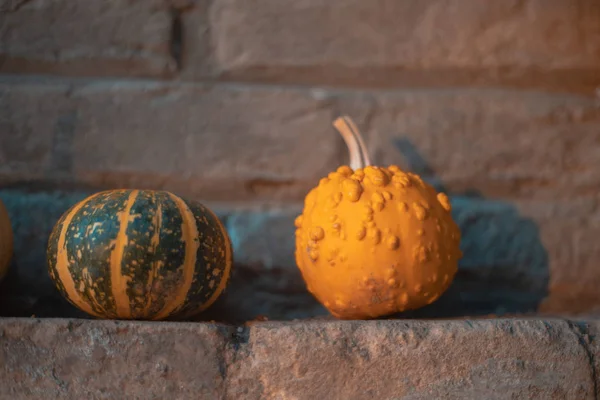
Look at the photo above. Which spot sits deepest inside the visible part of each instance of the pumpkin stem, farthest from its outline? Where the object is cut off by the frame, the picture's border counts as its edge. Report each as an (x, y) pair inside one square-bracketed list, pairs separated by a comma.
[(359, 156)]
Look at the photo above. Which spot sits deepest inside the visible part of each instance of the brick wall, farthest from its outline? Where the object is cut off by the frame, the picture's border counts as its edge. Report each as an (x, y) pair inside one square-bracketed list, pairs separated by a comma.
[(231, 102)]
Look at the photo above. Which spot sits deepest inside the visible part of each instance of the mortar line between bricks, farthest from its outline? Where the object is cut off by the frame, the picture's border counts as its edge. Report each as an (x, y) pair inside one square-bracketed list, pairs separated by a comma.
[(581, 331), (14, 7), (131, 82)]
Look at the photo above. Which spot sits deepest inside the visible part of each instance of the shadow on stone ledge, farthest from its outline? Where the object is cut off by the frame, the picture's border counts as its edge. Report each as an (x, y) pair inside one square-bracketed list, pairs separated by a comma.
[(505, 267)]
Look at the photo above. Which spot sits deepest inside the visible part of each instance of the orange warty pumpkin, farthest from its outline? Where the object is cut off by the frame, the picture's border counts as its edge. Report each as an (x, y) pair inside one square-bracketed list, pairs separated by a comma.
[(6, 241), (139, 254), (372, 241)]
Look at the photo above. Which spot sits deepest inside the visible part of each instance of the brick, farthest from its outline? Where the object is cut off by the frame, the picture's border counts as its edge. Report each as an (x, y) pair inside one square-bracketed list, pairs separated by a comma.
[(30, 143), (534, 43), (89, 38), (574, 253), (492, 359), (213, 142), (563, 232), (74, 359), (272, 144), (197, 58)]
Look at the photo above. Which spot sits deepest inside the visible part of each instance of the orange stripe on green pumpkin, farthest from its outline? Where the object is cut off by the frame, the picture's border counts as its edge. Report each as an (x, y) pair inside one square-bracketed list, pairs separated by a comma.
[(156, 264), (190, 238), (119, 281), (63, 263)]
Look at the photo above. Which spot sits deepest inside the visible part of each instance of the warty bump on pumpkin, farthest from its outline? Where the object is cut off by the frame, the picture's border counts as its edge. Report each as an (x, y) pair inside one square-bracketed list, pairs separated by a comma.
[(373, 241)]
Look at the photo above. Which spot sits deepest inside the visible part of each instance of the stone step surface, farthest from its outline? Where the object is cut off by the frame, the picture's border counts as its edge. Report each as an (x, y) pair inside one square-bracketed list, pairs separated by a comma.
[(313, 359), (510, 264), (547, 44)]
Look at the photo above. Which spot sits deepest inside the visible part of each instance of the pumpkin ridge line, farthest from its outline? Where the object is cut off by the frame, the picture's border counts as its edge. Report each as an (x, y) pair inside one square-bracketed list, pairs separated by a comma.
[(155, 242), (117, 279), (62, 260), (189, 232)]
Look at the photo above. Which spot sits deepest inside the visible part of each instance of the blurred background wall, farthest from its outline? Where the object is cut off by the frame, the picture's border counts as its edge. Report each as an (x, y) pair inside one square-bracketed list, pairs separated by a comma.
[(230, 102)]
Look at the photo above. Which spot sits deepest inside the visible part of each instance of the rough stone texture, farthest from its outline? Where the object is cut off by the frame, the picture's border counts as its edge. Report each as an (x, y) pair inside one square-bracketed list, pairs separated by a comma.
[(549, 44), (197, 58), (217, 142), (73, 359), (91, 37), (535, 43), (411, 360), (492, 359), (589, 339), (236, 142)]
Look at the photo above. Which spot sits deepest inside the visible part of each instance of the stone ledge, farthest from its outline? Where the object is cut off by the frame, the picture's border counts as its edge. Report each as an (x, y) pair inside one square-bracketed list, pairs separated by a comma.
[(314, 359)]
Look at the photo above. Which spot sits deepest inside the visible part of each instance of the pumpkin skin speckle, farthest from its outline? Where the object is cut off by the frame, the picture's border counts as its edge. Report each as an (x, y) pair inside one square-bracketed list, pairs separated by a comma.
[(400, 243), (6, 241), (139, 254)]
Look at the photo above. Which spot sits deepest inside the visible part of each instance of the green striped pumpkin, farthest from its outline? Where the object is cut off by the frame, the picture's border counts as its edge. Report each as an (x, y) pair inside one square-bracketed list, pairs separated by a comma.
[(139, 254)]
